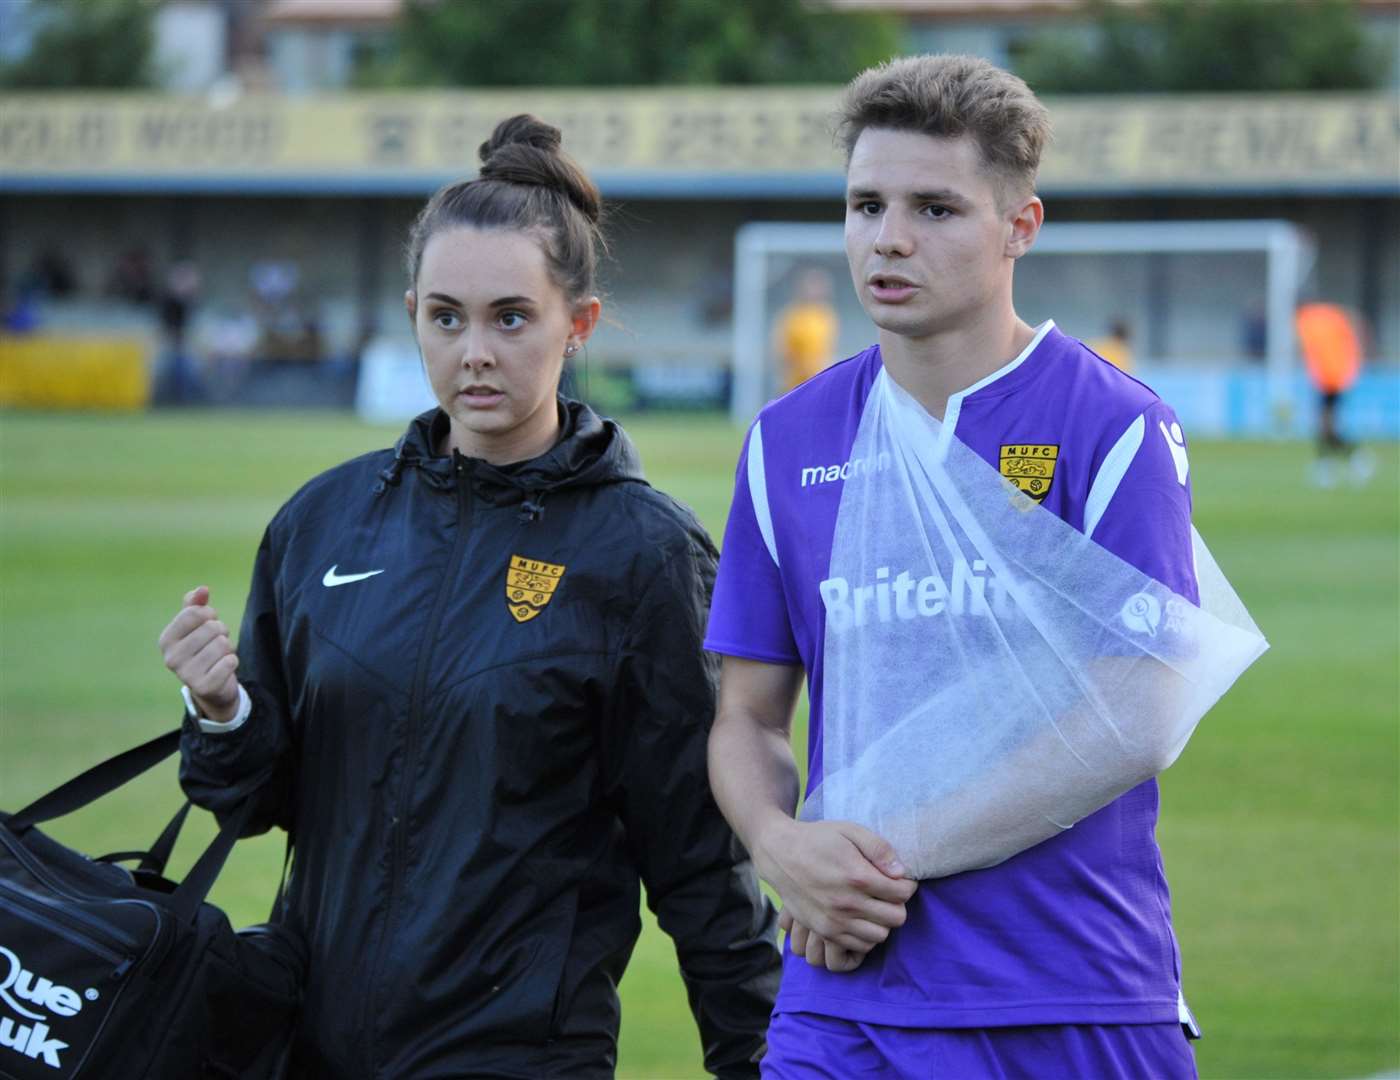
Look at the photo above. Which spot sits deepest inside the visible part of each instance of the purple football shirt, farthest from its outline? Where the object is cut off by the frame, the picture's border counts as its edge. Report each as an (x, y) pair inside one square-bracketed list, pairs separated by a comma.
[(1076, 929)]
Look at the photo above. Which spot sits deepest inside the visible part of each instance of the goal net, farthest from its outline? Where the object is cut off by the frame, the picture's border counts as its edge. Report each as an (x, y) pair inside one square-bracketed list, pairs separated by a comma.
[(1186, 295)]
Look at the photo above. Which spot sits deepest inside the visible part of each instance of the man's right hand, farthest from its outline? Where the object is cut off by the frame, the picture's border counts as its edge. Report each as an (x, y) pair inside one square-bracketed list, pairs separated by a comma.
[(197, 648), (837, 879)]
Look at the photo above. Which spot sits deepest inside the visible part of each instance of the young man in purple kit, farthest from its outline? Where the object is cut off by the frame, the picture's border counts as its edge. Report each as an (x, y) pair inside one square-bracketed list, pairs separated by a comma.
[(1059, 961)]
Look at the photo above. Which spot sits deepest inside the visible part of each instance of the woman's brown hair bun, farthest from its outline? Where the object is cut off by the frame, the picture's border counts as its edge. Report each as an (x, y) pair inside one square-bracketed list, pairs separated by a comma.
[(526, 182), (526, 150)]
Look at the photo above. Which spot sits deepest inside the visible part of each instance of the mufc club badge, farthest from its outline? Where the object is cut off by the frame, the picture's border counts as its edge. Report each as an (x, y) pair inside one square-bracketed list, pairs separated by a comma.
[(530, 585), (1030, 467)]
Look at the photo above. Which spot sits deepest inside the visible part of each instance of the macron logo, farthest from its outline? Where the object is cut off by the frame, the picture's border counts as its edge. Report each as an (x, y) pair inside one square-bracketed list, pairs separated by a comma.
[(825, 474), (1176, 443), (332, 579)]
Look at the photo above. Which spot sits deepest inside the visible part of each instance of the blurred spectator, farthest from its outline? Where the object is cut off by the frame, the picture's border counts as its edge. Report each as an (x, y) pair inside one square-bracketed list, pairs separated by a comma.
[(1116, 346), (308, 346), (289, 333), (804, 334), (52, 275), (1254, 334), (1332, 343), (132, 278), (230, 341), (716, 306), (273, 280), (177, 302), (22, 316)]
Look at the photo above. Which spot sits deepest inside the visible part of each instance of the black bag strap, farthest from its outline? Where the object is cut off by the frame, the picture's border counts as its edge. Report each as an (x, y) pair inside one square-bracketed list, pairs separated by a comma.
[(97, 781), (106, 777), (153, 861), (276, 915), (192, 891)]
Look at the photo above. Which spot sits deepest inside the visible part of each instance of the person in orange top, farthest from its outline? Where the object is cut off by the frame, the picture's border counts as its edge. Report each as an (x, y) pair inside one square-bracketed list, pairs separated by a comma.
[(1332, 343), (804, 336)]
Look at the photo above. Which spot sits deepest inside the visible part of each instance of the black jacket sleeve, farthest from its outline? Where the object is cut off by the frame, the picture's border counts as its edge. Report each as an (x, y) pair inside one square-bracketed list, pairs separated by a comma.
[(699, 880), (219, 770)]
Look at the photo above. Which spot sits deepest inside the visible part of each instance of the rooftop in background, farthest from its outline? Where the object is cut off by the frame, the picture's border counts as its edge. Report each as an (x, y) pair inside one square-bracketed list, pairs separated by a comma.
[(330, 13)]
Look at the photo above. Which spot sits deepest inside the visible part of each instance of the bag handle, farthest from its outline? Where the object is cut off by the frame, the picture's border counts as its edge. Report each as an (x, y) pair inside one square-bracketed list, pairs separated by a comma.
[(277, 913), (91, 785), (190, 894), (186, 898), (106, 777), (154, 860)]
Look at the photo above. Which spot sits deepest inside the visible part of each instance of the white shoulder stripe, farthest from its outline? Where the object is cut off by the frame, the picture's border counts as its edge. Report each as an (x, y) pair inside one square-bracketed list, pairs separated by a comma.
[(1111, 473), (758, 490), (953, 409)]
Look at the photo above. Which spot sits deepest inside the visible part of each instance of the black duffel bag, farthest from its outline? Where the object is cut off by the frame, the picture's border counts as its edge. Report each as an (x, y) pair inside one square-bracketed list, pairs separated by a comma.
[(113, 973)]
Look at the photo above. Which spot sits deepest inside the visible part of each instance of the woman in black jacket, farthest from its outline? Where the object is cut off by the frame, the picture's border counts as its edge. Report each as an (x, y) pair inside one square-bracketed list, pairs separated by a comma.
[(469, 682)]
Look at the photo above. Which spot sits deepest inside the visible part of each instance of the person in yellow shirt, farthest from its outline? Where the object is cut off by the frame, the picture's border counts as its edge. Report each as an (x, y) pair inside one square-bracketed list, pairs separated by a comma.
[(1117, 346), (804, 334)]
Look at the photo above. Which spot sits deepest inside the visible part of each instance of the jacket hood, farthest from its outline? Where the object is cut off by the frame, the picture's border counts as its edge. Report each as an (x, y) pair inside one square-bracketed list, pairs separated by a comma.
[(591, 451)]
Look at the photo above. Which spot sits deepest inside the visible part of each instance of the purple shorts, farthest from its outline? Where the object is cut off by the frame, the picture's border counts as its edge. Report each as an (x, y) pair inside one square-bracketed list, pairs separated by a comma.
[(806, 1046)]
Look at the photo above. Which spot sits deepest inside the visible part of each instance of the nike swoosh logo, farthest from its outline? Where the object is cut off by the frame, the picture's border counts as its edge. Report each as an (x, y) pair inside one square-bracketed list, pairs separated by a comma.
[(332, 579)]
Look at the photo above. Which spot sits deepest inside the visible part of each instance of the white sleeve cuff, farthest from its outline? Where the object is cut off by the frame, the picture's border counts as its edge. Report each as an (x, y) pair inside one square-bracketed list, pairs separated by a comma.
[(215, 727)]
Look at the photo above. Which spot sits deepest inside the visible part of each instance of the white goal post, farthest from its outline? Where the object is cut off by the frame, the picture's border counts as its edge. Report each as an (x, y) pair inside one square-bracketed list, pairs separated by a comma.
[(1287, 252)]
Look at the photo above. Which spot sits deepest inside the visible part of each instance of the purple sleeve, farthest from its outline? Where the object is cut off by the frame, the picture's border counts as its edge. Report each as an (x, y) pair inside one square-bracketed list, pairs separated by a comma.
[(1146, 520), (748, 615)]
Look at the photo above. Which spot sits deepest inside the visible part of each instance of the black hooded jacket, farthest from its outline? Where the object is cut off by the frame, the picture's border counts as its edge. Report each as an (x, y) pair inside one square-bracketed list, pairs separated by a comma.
[(480, 705)]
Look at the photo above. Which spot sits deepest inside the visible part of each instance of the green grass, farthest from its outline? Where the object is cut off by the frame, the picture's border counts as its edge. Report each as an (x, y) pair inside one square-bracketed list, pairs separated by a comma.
[(1279, 826)]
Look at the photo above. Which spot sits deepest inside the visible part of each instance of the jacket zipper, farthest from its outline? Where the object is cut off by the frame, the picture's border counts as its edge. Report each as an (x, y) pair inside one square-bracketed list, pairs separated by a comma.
[(463, 468)]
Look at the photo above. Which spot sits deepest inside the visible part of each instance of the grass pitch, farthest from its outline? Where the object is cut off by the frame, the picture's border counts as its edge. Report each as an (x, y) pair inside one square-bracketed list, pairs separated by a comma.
[(1279, 823)]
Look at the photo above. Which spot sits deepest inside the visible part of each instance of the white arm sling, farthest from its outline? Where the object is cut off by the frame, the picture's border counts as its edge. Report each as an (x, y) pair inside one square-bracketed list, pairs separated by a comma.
[(992, 675)]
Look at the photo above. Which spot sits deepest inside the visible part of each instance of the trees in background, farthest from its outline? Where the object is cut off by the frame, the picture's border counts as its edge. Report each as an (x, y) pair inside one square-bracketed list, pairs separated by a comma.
[(88, 44), (1152, 46), (1184, 46), (631, 43)]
